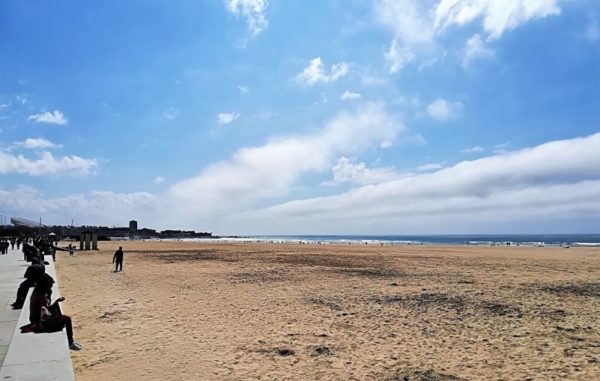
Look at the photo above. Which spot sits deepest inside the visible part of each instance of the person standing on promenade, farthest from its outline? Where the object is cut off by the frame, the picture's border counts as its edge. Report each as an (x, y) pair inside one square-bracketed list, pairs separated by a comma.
[(118, 259)]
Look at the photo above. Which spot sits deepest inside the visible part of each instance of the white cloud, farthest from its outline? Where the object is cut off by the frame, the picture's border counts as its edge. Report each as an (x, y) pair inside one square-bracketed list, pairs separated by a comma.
[(36, 143), (347, 171), (316, 72), (45, 165), (227, 117), (397, 57), (170, 113), (430, 167), (417, 24), (443, 110), (55, 117), (244, 89), (558, 179), (253, 11), (158, 179), (348, 95), (410, 21), (497, 16), (475, 48), (95, 208), (270, 170), (474, 149)]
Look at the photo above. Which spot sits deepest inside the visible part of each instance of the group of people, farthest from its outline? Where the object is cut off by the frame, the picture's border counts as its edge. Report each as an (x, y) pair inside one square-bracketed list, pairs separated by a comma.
[(41, 246), (5, 242), (44, 315), (4, 246)]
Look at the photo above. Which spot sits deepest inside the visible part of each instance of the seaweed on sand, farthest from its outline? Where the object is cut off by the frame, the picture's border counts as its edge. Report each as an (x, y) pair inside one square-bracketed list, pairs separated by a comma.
[(446, 302), (206, 255), (423, 375), (372, 272), (589, 289), (425, 300), (260, 276)]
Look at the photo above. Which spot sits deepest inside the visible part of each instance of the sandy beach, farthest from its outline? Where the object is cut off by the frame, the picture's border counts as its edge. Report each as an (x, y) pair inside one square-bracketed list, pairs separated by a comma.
[(200, 311)]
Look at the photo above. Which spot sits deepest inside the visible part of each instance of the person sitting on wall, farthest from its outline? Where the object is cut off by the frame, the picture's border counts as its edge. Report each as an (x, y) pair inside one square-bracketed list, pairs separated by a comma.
[(31, 252), (32, 275), (47, 317)]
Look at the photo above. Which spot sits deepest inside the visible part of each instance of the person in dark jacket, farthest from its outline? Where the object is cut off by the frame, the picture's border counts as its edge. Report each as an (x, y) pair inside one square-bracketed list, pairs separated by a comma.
[(49, 323), (118, 259), (32, 275), (4, 246)]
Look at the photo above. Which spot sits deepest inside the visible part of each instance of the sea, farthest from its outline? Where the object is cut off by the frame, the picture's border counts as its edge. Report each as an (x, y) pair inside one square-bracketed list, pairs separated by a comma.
[(564, 240)]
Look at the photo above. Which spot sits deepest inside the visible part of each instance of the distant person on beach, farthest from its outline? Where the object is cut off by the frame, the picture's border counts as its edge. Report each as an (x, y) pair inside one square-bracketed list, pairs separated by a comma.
[(32, 275), (118, 259), (47, 317), (4, 246), (54, 248)]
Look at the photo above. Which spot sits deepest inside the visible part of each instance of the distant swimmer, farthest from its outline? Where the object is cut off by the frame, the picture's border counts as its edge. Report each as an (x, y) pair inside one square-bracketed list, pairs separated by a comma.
[(118, 259)]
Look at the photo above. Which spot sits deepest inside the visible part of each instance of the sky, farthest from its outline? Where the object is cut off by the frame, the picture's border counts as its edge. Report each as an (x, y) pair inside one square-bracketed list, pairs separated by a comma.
[(303, 117)]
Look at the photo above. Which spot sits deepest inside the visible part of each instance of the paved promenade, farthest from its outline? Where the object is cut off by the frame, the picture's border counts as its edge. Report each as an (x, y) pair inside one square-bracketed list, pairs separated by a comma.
[(12, 268), (28, 356)]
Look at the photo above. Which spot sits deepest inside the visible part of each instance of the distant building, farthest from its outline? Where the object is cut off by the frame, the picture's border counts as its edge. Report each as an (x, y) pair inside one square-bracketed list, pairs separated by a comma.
[(133, 226)]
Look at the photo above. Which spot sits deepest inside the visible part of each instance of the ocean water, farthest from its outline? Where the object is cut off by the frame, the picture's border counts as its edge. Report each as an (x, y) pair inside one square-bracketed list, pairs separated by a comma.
[(475, 239)]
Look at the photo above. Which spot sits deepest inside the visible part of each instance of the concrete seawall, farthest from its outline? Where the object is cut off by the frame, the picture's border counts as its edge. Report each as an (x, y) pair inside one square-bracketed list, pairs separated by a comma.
[(28, 356)]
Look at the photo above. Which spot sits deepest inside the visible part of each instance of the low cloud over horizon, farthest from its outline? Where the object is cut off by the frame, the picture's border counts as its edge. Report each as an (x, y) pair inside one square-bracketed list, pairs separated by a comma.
[(556, 179)]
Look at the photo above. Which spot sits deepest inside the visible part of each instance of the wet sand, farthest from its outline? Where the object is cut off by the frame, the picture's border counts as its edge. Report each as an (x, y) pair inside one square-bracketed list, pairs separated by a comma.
[(197, 311)]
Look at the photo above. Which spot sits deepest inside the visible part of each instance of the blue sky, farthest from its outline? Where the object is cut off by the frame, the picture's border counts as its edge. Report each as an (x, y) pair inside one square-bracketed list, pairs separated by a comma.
[(280, 117)]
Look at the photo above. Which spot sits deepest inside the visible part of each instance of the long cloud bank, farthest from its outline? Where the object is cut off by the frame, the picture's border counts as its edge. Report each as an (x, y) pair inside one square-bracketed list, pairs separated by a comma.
[(258, 173), (557, 179), (97, 207)]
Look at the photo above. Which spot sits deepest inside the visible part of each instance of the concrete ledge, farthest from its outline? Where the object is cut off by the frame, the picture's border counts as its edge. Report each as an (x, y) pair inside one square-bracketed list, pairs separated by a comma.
[(11, 275), (38, 356)]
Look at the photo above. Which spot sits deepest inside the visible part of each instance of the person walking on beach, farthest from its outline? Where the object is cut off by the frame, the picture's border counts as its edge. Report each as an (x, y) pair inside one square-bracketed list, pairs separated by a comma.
[(118, 259)]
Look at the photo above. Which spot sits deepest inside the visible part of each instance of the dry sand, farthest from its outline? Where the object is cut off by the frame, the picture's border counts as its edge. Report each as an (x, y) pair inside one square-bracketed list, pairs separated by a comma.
[(194, 311)]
